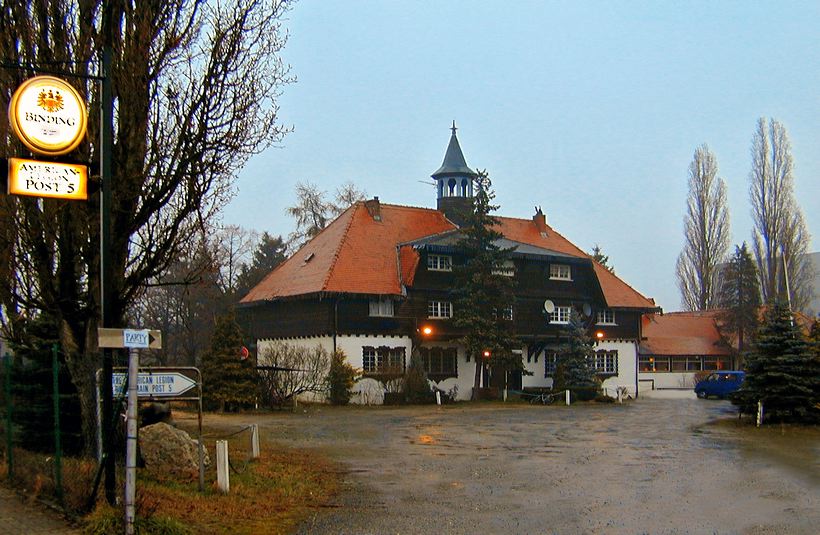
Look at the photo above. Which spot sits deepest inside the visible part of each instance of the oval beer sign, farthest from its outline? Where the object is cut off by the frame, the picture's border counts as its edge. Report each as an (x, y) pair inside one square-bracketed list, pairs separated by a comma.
[(48, 115)]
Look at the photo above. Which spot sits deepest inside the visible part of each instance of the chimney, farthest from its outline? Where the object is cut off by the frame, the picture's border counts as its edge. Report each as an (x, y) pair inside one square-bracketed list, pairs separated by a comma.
[(540, 220), (374, 208)]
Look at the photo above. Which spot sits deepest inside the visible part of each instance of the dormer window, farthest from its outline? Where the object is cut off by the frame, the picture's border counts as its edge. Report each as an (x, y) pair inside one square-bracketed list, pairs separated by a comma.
[(560, 272), (606, 317), (439, 262)]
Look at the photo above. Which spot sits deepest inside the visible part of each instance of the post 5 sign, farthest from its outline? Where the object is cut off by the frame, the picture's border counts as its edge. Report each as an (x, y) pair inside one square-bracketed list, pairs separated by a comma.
[(47, 179)]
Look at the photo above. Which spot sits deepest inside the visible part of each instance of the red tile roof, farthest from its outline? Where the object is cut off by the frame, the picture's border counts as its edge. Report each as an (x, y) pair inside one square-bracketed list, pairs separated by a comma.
[(357, 254), (354, 254), (682, 333)]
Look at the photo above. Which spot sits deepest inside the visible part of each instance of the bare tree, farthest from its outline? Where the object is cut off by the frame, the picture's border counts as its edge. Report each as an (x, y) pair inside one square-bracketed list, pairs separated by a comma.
[(313, 212), (195, 85), (706, 233), (347, 195), (779, 237), (286, 371), (234, 247)]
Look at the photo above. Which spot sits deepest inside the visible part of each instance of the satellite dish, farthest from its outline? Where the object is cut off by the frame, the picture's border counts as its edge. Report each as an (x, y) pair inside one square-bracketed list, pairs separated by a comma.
[(587, 309), (549, 306)]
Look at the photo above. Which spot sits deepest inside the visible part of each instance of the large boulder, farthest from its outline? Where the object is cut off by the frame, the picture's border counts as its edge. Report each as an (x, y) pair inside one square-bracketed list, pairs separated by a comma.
[(170, 452)]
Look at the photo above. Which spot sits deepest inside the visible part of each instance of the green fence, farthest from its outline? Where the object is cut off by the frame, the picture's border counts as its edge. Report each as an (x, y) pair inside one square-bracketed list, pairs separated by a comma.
[(41, 419)]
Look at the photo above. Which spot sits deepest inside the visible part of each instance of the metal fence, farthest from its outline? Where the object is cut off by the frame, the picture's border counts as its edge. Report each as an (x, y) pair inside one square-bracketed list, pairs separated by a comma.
[(41, 421)]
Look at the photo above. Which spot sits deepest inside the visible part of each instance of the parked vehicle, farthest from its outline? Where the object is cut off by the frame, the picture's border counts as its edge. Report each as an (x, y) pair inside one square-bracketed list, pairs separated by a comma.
[(719, 384)]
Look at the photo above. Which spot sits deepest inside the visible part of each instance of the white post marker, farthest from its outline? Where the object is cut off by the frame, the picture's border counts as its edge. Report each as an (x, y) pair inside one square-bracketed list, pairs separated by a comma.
[(223, 477), (759, 413), (566, 397), (254, 441), (131, 443), (438, 397)]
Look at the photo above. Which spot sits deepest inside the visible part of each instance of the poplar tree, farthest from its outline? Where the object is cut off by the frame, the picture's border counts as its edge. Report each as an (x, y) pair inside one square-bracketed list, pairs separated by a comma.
[(481, 292), (706, 233), (780, 236)]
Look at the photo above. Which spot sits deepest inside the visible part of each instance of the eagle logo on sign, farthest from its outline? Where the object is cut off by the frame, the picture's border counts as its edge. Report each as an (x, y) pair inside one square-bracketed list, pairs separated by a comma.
[(50, 100)]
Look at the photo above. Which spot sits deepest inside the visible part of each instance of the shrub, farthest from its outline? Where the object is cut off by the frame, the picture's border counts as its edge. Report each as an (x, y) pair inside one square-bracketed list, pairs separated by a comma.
[(340, 379), (416, 387), (299, 370)]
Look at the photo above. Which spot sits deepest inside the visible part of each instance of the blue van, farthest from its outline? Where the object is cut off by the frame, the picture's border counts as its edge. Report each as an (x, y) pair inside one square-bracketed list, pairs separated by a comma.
[(719, 384)]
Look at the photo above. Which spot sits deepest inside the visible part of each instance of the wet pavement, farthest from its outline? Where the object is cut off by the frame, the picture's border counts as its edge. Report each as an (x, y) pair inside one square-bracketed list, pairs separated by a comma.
[(648, 466)]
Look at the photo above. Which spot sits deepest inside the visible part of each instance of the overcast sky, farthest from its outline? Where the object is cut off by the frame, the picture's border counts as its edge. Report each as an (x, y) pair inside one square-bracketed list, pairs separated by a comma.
[(591, 110)]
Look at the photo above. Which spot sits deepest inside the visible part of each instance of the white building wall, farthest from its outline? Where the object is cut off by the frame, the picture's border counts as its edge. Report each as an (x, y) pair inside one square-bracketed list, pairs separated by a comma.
[(466, 375), (463, 384), (667, 380), (627, 366)]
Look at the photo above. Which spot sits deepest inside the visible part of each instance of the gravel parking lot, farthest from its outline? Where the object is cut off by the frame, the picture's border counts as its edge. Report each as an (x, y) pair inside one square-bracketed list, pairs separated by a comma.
[(648, 466)]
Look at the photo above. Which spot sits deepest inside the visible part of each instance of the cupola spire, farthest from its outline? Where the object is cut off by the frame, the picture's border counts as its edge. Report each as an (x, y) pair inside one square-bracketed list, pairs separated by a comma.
[(454, 180)]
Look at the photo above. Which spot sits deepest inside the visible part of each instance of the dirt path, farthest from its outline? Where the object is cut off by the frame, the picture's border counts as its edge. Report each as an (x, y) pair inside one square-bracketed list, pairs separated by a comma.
[(651, 466)]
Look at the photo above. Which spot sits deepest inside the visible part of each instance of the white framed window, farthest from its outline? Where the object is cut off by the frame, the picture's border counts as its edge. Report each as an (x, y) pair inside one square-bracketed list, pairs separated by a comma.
[(606, 317), (507, 269), (381, 307), (606, 362), (560, 272), (439, 309), (383, 359), (560, 315), (439, 262)]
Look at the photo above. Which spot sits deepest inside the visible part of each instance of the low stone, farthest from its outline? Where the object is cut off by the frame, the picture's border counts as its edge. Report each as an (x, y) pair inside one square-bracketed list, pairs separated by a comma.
[(170, 452)]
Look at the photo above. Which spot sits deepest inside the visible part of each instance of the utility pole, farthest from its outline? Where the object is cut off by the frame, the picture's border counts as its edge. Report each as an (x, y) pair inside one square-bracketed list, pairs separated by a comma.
[(106, 153)]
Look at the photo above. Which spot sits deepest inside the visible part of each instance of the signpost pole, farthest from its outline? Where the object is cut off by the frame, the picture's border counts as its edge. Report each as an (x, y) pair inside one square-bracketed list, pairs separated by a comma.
[(106, 273), (131, 444), (58, 449)]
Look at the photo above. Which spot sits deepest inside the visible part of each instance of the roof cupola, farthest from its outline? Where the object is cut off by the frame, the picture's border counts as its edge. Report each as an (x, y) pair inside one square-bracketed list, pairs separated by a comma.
[(454, 181)]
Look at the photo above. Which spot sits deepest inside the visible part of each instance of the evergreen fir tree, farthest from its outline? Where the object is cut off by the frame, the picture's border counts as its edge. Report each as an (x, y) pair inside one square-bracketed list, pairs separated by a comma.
[(739, 297), (228, 381), (481, 292), (574, 369), (340, 379), (268, 254), (783, 372), (599, 256)]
